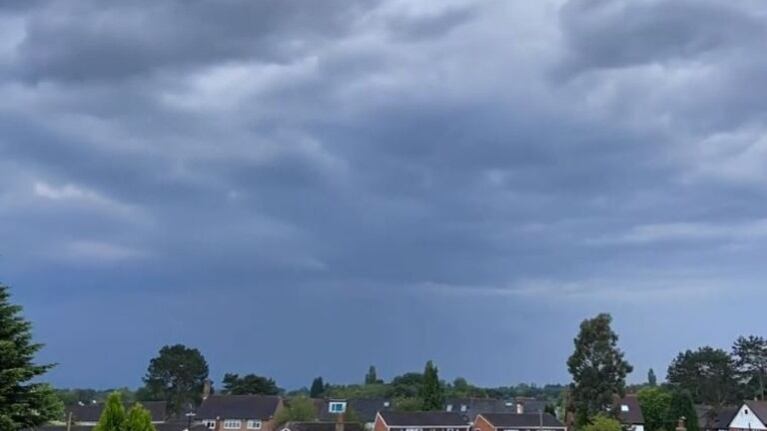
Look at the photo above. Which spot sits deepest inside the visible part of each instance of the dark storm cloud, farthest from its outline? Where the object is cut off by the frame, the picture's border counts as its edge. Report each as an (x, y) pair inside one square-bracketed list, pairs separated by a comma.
[(320, 161)]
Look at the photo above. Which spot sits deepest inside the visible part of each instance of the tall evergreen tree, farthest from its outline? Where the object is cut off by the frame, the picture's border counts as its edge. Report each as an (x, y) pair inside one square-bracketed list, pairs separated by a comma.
[(113, 416), (750, 355), (432, 393), (652, 380), (598, 369), (23, 404), (139, 419), (371, 377), (317, 389), (177, 375)]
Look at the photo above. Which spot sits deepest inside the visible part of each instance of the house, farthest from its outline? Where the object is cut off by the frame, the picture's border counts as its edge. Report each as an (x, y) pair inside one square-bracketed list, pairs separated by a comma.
[(752, 415), (89, 414), (364, 409), (710, 419), (239, 412), (518, 422), (321, 426), (469, 408), (420, 421), (630, 413)]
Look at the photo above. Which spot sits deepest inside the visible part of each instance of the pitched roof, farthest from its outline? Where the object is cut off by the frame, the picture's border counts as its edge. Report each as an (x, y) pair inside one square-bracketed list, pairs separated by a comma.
[(469, 408), (262, 407), (759, 408), (320, 426), (634, 414), (523, 420), (92, 412), (424, 419), (711, 419), (364, 408)]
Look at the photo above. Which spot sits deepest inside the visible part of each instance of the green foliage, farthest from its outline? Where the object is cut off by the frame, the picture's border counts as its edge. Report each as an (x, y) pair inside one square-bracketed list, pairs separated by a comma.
[(432, 394), (408, 404), (351, 416), (318, 388), (655, 403), (652, 380), (113, 416), (602, 422), (371, 378), (708, 374), (377, 390), (177, 376), (23, 404), (139, 419), (750, 357), (300, 409), (86, 396), (682, 406), (461, 388), (249, 384), (598, 369), (407, 385)]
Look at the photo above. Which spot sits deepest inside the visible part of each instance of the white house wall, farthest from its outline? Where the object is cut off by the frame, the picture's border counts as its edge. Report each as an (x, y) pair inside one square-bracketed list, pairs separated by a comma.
[(746, 420)]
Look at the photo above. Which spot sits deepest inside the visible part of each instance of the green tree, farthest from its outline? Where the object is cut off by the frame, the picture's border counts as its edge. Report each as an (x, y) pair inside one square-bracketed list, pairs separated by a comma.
[(177, 376), (598, 369), (299, 409), (318, 388), (652, 380), (24, 403), (708, 374), (682, 406), (603, 422), (432, 393), (113, 416), (655, 403), (371, 378), (139, 419), (407, 385), (750, 356), (249, 384), (408, 404)]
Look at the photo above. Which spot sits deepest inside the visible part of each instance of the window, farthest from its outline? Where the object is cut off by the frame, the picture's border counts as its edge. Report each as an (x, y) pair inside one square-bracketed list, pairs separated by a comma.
[(463, 407), (232, 424), (337, 407), (449, 407), (624, 408), (254, 425), (387, 404), (745, 411), (209, 424)]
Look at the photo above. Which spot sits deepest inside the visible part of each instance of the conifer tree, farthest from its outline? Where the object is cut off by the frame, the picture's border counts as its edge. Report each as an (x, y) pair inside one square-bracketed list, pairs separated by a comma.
[(139, 419), (23, 404), (432, 394), (113, 416)]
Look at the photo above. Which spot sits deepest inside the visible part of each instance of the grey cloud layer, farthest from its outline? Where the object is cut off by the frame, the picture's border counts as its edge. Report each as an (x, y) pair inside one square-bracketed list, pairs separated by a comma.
[(516, 150)]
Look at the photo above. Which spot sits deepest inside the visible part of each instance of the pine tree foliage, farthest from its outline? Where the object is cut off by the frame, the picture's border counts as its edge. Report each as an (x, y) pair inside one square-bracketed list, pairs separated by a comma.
[(432, 393), (24, 403)]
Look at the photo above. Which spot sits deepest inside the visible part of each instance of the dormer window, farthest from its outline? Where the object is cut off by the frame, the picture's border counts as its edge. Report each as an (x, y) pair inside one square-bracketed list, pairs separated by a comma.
[(463, 407), (624, 408), (337, 407), (449, 407)]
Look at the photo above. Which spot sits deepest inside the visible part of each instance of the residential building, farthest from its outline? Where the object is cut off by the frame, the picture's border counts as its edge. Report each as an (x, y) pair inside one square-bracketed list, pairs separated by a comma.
[(517, 422), (711, 419), (420, 421), (322, 426), (469, 408), (751, 416), (365, 409), (239, 412), (630, 413)]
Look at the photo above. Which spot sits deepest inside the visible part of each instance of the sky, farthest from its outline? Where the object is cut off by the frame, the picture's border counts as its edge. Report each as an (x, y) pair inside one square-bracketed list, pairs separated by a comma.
[(304, 189)]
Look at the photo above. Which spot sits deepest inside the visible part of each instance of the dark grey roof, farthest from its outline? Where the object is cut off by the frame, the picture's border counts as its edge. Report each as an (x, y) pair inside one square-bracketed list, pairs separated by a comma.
[(158, 427), (364, 408), (469, 408), (759, 408), (711, 419), (424, 419), (92, 412), (320, 426), (262, 407), (634, 414), (524, 420), (531, 405)]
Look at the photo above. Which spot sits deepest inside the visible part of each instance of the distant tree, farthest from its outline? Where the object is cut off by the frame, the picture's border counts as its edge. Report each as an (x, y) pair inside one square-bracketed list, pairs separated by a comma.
[(652, 380), (249, 384), (317, 389), (113, 416), (407, 385), (378, 390), (708, 374), (139, 419), (371, 378), (655, 403), (408, 404), (603, 422), (300, 409), (681, 406), (598, 369), (550, 409), (177, 376), (750, 356), (24, 403), (432, 394)]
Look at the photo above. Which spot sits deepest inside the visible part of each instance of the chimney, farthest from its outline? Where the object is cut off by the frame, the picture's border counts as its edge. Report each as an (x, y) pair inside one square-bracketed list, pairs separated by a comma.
[(520, 408), (207, 388), (340, 422), (681, 425)]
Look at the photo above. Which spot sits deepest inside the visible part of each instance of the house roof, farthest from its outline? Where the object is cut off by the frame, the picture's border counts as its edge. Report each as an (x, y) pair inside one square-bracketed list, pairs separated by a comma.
[(424, 419), (523, 420), (158, 427), (262, 407), (469, 408), (320, 426), (364, 408), (634, 414), (92, 412), (710, 419), (759, 408)]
